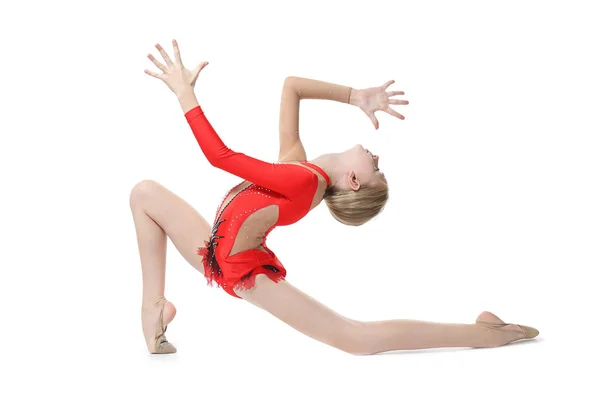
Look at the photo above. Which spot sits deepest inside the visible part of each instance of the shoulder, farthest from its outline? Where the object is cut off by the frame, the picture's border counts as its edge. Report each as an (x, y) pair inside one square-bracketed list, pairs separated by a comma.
[(305, 177), (300, 172)]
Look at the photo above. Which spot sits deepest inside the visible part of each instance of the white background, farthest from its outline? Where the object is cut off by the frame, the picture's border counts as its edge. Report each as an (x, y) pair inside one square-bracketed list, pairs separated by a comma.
[(493, 194)]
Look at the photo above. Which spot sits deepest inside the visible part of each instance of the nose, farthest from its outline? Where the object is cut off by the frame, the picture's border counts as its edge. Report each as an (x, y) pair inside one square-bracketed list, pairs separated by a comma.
[(376, 161)]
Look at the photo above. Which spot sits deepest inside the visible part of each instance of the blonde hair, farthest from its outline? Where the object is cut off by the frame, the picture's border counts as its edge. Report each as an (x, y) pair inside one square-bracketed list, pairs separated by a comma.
[(355, 207)]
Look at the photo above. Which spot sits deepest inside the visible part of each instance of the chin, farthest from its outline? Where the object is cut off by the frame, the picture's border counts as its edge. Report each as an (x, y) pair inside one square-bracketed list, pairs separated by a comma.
[(358, 149)]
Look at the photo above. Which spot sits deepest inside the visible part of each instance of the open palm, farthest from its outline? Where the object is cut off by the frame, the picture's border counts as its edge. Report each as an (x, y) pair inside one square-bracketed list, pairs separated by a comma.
[(175, 75), (376, 98)]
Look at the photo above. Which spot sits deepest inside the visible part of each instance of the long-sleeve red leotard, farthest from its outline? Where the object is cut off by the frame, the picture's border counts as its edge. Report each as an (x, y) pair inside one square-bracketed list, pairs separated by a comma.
[(289, 187)]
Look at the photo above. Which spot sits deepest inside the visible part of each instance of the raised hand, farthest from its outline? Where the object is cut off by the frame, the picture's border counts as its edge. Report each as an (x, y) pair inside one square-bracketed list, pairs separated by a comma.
[(376, 98), (175, 75)]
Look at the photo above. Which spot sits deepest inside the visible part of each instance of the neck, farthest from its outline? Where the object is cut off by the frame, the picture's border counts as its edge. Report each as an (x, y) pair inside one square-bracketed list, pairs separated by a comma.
[(330, 163)]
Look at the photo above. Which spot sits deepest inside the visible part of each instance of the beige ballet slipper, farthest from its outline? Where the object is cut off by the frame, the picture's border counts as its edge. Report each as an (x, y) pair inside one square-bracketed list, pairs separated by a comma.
[(163, 346), (528, 331)]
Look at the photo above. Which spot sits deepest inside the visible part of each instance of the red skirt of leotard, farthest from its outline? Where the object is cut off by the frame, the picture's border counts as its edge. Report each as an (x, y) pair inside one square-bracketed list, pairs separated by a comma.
[(239, 270)]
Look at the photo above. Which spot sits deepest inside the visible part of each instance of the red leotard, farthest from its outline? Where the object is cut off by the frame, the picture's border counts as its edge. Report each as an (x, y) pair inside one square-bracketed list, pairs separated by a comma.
[(272, 195)]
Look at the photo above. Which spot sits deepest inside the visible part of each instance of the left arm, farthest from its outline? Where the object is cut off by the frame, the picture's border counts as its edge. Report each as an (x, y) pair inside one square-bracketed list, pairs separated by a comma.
[(294, 89)]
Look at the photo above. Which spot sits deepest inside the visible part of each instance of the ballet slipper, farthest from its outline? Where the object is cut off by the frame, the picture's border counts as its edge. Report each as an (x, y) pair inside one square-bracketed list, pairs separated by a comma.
[(527, 331), (163, 346)]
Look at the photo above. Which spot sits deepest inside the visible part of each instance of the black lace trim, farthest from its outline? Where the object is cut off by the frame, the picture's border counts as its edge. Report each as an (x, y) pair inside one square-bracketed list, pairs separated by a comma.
[(215, 269), (271, 268), (248, 275)]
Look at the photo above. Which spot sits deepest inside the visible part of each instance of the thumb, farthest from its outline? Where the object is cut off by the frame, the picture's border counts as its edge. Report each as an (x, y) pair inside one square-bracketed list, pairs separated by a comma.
[(199, 68), (374, 120)]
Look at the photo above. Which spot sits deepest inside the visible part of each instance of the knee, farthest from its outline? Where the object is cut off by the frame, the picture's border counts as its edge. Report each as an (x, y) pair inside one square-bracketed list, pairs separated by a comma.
[(142, 190), (353, 338)]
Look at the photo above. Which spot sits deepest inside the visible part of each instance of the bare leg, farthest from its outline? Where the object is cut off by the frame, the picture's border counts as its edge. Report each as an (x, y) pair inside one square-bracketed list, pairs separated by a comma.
[(158, 212), (316, 320)]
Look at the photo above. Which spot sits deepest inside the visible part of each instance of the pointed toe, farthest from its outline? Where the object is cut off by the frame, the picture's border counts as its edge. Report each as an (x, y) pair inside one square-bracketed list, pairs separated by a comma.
[(163, 346), (529, 331)]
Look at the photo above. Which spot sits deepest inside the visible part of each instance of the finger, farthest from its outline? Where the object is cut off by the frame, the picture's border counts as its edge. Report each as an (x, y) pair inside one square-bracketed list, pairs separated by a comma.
[(154, 74), (176, 52), (199, 68), (393, 112), (157, 63), (390, 94), (394, 101), (164, 54), (388, 83), (374, 120)]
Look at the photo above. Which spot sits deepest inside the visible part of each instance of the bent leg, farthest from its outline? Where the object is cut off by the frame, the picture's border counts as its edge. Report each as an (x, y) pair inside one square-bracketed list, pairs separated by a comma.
[(158, 212), (316, 320)]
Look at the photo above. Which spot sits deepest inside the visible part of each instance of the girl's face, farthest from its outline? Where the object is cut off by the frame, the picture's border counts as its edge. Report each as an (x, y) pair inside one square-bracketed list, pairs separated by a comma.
[(363, 168)]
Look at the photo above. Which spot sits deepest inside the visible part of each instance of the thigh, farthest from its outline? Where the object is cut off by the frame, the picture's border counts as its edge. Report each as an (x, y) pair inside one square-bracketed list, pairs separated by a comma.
[(186, 228), (302, 312)]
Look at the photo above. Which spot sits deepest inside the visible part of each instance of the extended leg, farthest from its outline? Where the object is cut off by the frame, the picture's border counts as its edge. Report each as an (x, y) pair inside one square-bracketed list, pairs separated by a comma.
[(314, 319), (158, 212)]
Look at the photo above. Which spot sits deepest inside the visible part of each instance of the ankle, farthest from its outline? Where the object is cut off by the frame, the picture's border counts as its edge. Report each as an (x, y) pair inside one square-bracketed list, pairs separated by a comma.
[(153, 303)]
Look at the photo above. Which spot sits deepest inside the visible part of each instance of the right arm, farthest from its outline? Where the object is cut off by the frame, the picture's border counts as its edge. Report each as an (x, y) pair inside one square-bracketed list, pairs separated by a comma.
[(295, 89)]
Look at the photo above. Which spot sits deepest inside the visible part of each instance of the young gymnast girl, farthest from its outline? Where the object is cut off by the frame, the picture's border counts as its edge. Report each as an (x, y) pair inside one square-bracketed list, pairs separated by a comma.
[(233, 253)]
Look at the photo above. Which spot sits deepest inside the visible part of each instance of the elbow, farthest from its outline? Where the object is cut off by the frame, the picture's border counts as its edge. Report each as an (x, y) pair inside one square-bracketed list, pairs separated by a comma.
[(219, 159), (214, 161), (289, 81), (291, 86), (211, 156)]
